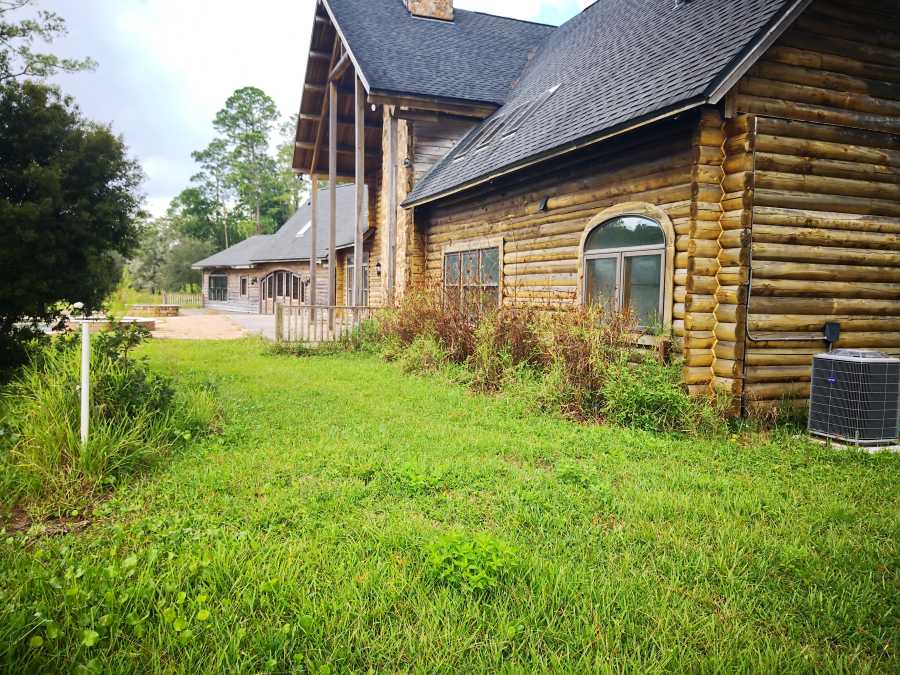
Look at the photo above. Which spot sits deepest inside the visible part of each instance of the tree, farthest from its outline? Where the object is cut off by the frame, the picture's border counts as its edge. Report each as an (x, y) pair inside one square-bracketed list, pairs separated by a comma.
[(17, 58), (193, 214), (246, 123), (68, 205), (146, 265), (176, 272), (292, 188), (213, 181)]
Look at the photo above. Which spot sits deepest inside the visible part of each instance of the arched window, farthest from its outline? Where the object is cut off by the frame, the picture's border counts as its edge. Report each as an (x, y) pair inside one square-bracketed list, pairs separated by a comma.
[(624, 266)]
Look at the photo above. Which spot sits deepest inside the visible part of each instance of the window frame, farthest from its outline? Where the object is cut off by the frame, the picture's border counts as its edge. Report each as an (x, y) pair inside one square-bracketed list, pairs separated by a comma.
[(469, 246), (244, 285), (641, 210), (210, 289)]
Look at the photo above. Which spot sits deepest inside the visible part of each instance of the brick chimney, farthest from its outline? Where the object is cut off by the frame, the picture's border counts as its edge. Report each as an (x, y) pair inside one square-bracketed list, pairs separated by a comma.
[(431, 9)]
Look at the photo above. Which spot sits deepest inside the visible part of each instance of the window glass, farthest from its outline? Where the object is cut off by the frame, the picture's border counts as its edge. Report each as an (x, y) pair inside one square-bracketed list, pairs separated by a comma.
[(490, 266), (470, 268), (625, 232), (642, 286), (602, 275), (472, 279), (451, 269), (624, 266), (243, 285)]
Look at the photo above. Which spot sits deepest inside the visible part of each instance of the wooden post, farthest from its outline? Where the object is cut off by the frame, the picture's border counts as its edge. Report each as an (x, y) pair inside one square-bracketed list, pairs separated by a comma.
[(360, 116), (85, 379), (313, 242), (392, 207), (332, 199), (279, 322)]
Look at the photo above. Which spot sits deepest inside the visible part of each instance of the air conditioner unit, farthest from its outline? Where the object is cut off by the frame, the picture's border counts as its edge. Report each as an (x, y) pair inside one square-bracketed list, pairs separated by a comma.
[(855, 397)]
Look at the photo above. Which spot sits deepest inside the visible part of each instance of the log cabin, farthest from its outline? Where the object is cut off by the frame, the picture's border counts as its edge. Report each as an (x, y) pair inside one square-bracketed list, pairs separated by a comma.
[(262, 271), (730, 169)]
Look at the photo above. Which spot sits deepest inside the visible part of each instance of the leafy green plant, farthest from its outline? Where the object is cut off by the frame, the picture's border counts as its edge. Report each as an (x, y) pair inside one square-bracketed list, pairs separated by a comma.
[(424, 355), (471, 563), (650, 395), (136, 417)]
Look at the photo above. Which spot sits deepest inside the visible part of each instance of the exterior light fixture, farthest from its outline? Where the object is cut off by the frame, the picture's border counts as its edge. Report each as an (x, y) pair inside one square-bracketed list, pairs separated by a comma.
[(378, 269), (544, 204)]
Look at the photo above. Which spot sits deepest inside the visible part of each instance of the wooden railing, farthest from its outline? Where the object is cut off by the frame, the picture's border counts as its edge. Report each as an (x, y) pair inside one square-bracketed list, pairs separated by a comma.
[(317, 323), (185, 299)]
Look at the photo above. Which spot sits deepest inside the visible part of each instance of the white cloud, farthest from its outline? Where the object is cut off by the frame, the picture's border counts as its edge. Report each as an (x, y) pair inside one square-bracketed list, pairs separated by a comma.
[(167, 66)]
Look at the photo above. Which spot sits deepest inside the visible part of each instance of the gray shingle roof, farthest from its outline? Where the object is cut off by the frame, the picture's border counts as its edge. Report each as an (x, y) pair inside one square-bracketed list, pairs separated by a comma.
[(292, 241), (617, 62), (476, 57)]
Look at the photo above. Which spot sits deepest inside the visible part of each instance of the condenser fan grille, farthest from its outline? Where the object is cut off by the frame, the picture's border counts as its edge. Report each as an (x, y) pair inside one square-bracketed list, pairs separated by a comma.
[(855, 396)]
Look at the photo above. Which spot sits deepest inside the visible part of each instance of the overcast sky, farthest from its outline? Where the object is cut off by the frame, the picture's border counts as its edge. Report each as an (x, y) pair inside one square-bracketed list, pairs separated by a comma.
[(167, 66)]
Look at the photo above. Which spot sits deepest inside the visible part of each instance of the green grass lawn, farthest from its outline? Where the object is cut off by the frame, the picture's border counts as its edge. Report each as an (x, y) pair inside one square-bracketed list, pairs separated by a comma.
[(301, 538)]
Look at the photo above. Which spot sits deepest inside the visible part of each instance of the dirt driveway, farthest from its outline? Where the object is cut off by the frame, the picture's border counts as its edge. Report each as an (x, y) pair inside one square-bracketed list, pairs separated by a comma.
[(206, 325)]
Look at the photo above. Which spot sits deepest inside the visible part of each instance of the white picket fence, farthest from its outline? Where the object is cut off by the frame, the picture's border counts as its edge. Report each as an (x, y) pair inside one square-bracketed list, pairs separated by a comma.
[(315, 324), (183, 299)]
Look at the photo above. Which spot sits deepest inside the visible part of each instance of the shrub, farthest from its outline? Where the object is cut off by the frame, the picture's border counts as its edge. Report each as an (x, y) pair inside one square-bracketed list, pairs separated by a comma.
[(650, 395), (424, 355), (504, 340), (425, 311), (472, 564), (580, 344), (136, 417)]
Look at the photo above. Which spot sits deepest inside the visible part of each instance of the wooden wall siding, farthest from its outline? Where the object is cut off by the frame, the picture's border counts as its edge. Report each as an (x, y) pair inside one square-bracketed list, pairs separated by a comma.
[(433, 140), (698, 237), (541, 248), (733, 274), (824, 179)]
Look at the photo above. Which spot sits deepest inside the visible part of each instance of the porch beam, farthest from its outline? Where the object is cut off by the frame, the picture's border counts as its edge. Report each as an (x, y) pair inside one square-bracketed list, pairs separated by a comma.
[(340, 68), (332, 196), (313, 240), (360, 112), (342, 121), (320, 128), (392, 206)]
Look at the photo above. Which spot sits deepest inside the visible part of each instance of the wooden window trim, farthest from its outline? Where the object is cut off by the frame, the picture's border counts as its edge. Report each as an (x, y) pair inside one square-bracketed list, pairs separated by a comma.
[(644, 210), (478, 244)]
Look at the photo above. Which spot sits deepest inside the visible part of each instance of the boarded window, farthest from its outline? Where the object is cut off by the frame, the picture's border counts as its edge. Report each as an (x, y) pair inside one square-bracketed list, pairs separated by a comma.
[(472, 279), (243, 286)]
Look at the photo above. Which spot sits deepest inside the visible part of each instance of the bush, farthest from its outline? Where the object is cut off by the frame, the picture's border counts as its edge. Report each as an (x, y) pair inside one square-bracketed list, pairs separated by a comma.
[(424, 311), (650, 395), (136, 417), (471, 564), (424, 355)]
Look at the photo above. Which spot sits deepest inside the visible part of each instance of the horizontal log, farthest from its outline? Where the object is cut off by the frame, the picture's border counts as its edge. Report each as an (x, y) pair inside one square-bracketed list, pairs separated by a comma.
[(778, 373), (877, 42), (788, 288), (730, 332), (698, 358), (812, 236), (824, 151), (826, 185), (730, 313), (767, 391), (701, 322), (803, 323), (732, 295), (701, 303), (696, 375), (772, 215), (832, 62), (777, 107), (888, 93), (727, 385), (727, 368), (764, 269), (704, 248), (733, 351), (779, 357), (834, 45), (800, 129), (699, 340), (823, 306), (827, 168), (824, 254)]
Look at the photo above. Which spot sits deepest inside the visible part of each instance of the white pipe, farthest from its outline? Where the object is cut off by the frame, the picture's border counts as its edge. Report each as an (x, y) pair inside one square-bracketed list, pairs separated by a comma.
[(85, 379)]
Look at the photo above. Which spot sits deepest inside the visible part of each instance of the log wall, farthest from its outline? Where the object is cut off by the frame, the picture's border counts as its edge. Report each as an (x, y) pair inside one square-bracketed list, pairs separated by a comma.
[(541, 248), (822, 180)]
